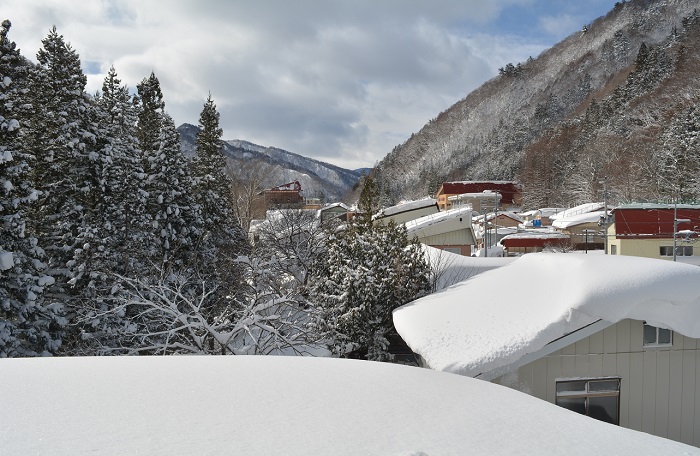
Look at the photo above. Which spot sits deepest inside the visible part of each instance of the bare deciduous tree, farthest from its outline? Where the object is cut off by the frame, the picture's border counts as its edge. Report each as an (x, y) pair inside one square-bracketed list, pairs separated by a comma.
[(248, 179)]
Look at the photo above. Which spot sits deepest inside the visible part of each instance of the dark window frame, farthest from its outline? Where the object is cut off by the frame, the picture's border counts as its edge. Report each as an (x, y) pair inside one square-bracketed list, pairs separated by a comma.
[(648, 343), (564, 394)]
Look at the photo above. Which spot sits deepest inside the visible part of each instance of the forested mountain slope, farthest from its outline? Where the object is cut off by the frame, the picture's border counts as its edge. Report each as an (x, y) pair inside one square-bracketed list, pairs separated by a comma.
[(277, 166), (564, 121)]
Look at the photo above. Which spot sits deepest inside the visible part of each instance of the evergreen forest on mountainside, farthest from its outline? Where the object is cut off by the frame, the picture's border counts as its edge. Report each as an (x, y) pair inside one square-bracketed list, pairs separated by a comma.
[(612, 106)]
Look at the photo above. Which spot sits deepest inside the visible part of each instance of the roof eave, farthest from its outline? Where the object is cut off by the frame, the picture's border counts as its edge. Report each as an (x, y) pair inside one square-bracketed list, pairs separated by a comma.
[(548, 349)]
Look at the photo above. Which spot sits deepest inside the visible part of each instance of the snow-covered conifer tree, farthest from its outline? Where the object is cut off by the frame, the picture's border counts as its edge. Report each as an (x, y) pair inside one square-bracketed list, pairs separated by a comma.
[(61, 137), (29, 324), (679, 160), (174, 218), (114, 230), (371, 270), (212, 193)]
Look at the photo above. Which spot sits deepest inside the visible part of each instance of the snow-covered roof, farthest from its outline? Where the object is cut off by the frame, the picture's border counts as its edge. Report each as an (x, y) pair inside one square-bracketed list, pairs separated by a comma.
[(407, 206), (492, 215), (581, 209), (449, 268), (254, 405), (454, 331), (440, 217), (333, 206), (545, 233), (579, 219), (485, 195), (543, 212)]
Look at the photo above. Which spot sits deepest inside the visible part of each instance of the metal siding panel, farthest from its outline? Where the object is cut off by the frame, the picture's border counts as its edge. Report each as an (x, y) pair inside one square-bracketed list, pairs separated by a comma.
[(689, 343), (610, 363), (569, 350), (696, 413), (595, 366), (678, 341), (636, 335), (623, 336), (568, 366), (636, 390), (675, 400), (622, 368), (553, 372), (610, 339), (581, 366), (539, 378), (663, 359), (596, 343), (583, 346), (688, 417), (649, 391)]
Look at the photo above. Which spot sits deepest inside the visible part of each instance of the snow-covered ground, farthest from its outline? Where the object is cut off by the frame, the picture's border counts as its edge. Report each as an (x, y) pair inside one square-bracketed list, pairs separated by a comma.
[(284, 406), (494, 319)]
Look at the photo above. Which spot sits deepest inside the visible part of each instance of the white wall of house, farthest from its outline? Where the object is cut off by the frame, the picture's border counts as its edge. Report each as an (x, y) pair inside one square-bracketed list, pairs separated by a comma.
[(660, 387)]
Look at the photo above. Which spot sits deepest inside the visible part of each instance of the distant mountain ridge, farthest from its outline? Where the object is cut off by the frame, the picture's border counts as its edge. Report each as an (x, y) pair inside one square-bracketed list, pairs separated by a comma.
[(498, 129), (318, 179)]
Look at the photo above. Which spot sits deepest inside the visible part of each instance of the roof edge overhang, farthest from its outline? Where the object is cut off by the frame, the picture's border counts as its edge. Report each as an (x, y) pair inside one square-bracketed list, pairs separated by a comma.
[(551, 347)]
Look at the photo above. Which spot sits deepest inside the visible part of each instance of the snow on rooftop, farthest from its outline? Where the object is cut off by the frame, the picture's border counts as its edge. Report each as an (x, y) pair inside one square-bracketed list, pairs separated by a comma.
[(492, 215), (334, 205), (578, 219), (486, 194), (407, 206), (542, 233), (450, 268), (581, 209), (487, 322), (545, 212), (221, 405), (432, 219)]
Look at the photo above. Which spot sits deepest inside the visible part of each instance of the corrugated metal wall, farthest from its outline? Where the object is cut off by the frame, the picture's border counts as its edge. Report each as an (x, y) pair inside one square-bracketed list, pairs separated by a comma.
[(659, 388)]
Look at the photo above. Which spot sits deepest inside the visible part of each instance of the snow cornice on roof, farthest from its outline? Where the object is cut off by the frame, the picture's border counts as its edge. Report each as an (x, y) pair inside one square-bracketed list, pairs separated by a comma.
[(406, 207), (441, 217), (453, 331)]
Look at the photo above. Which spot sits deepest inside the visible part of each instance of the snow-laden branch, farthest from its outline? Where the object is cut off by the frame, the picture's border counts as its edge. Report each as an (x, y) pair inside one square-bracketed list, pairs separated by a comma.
[(185, 314)]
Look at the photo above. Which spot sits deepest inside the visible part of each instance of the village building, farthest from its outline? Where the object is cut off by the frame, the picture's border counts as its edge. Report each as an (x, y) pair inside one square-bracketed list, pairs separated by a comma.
[(534, 240), (285, 196), (511, 194), (584, 230), (649, 230), (450, 230), (334, 212), (538, 218), (407, 211), (612, 337)]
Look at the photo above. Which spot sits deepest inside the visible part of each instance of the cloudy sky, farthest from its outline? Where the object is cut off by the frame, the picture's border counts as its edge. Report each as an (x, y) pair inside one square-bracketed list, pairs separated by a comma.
[(343, 81)]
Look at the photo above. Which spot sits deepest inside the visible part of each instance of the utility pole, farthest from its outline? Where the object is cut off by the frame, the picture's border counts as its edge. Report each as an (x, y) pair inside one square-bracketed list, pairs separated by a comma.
[(605, 216), (676, 221)]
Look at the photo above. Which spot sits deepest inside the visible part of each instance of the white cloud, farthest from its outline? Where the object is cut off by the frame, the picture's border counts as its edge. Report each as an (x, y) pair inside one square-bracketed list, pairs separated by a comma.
[(561, 25), (341, 81)]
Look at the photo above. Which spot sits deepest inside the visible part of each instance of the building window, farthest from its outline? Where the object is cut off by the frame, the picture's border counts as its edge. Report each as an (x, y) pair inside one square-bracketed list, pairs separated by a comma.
[(598, 398), (682, 250), (613, 249), (657, 337)]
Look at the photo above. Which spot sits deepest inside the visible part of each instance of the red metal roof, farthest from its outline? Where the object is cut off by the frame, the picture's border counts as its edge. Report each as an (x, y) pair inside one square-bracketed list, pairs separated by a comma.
[(653, 221)]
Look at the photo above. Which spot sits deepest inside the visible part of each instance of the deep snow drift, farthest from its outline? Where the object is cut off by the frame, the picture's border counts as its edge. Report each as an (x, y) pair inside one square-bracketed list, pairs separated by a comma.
[(495, 318), (284, 406)]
